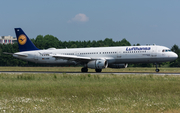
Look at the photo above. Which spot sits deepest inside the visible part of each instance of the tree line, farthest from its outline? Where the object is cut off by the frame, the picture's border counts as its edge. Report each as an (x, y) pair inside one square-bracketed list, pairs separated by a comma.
[(49, 41)]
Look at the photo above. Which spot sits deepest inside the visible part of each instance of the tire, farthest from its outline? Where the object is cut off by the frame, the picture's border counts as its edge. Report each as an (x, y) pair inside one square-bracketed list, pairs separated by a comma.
[(84, 69), (157, 70), (98, 70)]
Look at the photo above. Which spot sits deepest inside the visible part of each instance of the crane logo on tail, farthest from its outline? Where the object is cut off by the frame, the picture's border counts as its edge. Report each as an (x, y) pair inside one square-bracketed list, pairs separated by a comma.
[(22, 39)]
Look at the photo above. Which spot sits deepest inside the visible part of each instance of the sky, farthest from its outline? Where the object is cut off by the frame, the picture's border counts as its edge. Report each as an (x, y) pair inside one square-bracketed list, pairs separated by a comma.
[(138, 21)]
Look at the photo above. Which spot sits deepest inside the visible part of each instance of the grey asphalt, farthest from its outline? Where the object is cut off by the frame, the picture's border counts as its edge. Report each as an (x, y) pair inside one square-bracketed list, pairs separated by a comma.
[(117, 73)]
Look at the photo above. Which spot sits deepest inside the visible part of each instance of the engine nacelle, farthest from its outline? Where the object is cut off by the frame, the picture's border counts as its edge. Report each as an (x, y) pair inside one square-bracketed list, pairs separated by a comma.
[(118, 65), (97, 64)]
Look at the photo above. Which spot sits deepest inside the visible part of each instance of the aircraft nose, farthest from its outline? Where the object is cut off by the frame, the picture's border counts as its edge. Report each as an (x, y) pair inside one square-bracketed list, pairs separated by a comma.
[(174, 56)]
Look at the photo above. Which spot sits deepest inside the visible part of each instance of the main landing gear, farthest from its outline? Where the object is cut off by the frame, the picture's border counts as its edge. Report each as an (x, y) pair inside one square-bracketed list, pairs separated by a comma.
[(157, 70), (84, 69), (98, 70)]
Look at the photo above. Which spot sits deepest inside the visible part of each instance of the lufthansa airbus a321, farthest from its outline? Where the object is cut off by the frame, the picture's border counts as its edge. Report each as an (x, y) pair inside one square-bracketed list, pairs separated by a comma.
[(96, 58)]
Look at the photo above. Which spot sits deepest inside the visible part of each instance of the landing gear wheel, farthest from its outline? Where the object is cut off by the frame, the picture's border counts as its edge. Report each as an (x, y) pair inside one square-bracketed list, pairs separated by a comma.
[(157, 70), (98, 70), (84, 69)]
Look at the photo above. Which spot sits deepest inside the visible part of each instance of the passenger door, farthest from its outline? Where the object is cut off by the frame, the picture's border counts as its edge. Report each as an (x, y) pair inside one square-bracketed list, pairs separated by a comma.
[(154, 54), (119, 54)]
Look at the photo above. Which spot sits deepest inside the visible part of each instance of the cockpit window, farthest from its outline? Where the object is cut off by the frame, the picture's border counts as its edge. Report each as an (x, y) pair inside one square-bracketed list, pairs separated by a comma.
[(166, 50)]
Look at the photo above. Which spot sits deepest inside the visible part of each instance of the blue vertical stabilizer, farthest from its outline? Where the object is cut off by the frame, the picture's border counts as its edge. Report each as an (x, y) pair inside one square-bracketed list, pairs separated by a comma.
[(24, 42)]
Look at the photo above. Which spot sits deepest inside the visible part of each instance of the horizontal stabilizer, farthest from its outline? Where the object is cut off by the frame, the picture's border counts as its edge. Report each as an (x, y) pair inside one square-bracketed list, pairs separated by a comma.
[(8, 53)]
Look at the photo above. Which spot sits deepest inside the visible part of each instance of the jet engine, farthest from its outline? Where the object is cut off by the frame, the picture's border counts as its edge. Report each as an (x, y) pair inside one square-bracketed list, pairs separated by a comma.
[(97, 64), (118, 66)]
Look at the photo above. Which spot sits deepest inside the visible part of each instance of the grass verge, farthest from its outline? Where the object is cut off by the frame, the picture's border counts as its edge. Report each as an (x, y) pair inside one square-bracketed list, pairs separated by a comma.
[(89, 93)]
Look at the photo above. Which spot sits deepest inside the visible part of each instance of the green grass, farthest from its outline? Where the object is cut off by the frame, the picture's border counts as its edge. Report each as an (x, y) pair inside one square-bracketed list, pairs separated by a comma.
[(83, 93), (78, 69)]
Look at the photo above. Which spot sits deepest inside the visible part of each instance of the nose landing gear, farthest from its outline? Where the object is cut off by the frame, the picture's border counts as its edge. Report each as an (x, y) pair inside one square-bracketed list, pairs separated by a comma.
[(157, 70)]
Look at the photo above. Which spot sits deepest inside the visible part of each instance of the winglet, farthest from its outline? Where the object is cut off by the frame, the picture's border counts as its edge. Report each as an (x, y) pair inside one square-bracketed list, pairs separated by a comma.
[(24, 42)]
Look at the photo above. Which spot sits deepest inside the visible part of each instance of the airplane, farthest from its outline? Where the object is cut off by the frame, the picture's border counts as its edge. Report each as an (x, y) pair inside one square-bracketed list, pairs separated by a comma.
[(97, 58)]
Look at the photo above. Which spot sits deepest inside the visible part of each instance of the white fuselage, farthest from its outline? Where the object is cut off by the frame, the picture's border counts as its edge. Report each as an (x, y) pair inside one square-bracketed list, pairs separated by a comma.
[(114, 55)]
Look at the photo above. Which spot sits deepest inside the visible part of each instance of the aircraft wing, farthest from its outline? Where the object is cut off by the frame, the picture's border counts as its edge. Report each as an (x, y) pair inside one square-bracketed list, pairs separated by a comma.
[(71, 57)]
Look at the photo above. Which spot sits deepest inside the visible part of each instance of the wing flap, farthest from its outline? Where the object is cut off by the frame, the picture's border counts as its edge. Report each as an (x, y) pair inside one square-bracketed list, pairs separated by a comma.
[(70, 57)]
